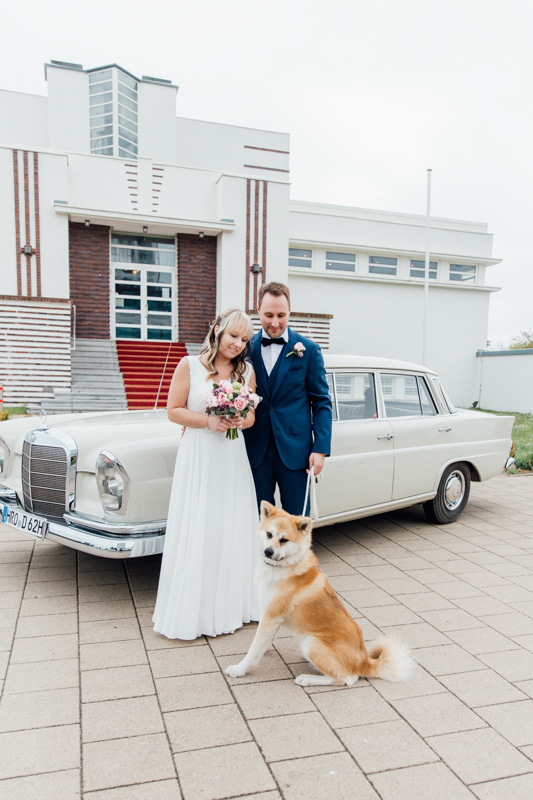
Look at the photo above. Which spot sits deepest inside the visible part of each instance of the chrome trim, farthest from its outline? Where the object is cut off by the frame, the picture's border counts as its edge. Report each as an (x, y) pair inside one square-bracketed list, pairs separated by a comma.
[(447, 429), (119, 528), (6, 493), (55, 438), (126, 479), (510, 463), (386, 436), (454, 490), (99, 544)]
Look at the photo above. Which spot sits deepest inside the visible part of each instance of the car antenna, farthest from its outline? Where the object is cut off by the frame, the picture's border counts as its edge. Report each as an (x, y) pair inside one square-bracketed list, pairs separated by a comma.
[(162, 377)]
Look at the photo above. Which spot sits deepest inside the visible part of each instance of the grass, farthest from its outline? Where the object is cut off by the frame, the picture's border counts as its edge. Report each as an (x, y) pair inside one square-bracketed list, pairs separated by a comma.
[(522, 439), (8, 412)]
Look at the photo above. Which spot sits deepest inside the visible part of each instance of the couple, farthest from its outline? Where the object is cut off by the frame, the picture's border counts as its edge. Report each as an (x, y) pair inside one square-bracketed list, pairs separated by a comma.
[(211, 551)]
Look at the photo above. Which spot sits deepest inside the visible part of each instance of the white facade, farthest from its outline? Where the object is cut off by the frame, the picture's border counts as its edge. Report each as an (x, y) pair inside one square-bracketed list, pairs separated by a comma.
[(189, 177), (505, 380)]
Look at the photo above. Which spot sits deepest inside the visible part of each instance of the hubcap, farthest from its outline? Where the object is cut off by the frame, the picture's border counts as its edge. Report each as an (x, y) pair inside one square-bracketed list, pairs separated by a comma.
[(454, 490)]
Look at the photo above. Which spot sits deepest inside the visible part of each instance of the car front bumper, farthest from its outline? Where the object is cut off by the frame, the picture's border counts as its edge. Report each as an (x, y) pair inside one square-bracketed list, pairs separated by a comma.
[(101, 538)]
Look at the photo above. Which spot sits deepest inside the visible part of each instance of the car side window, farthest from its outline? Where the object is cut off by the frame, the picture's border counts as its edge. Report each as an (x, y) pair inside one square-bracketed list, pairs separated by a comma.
[(356, 395), (428, 404), (400, 395), (331, 387)]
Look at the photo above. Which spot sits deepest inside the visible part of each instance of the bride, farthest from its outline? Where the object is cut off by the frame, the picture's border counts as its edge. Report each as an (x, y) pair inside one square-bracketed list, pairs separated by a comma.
[(206, 584)]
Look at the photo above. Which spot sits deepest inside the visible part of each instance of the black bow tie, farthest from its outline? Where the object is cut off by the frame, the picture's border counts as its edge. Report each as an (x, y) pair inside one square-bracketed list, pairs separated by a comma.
[(267, 342)]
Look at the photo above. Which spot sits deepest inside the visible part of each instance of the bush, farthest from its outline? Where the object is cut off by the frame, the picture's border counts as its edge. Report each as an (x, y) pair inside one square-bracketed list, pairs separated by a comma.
[(4, 414)]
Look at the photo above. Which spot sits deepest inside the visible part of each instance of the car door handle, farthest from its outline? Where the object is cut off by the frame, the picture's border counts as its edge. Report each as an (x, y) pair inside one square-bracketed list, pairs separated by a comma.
[(387, 436), (447, 429)]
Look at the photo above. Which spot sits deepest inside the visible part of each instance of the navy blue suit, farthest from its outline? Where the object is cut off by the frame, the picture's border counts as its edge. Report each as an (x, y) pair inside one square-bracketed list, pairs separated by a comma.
[(292, 421)]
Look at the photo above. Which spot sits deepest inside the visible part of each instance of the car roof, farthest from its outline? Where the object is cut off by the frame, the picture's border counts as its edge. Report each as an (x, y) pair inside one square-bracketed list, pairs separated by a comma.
[(369, 362)]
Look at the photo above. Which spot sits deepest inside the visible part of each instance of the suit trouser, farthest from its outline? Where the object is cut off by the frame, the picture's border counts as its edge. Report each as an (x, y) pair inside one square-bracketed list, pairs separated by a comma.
[(292, 482)]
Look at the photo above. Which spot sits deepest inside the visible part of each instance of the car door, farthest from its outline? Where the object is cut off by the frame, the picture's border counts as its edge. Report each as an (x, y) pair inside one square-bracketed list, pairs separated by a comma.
[(422, 440), (359, 471)]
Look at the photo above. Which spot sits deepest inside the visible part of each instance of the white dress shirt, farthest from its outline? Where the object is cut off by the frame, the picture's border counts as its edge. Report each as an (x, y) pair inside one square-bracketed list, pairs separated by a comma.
[(271, 354)]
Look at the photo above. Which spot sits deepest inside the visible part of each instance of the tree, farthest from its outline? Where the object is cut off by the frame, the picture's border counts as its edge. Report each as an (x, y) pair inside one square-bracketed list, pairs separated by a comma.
[(522, 341)]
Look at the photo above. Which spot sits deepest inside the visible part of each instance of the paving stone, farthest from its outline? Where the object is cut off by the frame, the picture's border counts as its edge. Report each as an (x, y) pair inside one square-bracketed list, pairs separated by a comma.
[(182, 661), (52, 625), (229, 771), (120, 609), (60, 604), (160, 790), (120, 762), (350, 582), (10, 599), (436, 714), (235, 643), (39, 709), (404, 585), (42, 676), (103, 655), (433, 781), (193, 691), (113, 684), (483, 578), (270, 668), (446, 659), (453, 619), (45, 786), (391, 615), (418, 685), (51, 589), (481, 640), (350, 707), (367, 598), (516, 665), (328, 777), (513, 720), (516, 788), (294, 736), (200, 728), (112, 719), (102, 578), (510, 593), (99, 594), (513, 624), (425, 601), (480, 755), (39, 750), (456, 589), (481, 688), (258, 700), (156, 641), (482, 605), (36, 575), (109, 630), (419, 634), (386, 745)]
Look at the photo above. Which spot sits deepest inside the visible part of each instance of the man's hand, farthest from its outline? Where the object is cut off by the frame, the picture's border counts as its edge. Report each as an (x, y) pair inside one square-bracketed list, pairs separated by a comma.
[(316, 460)]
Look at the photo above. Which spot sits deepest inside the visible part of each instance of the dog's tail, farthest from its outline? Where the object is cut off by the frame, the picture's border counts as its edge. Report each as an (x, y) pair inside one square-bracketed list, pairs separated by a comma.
[(390, 659)]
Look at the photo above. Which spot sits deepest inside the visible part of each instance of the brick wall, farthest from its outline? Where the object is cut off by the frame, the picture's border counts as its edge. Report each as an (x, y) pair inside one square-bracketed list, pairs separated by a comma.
[(197, 290), (89, 279)]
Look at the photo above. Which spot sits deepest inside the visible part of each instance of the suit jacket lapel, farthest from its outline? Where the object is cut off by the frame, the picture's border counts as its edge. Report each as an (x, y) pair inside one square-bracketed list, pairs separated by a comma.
[(286, 363), (257, 359)]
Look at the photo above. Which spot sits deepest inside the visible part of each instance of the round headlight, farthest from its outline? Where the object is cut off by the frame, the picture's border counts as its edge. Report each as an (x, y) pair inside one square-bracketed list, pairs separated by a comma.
[(113, 482)]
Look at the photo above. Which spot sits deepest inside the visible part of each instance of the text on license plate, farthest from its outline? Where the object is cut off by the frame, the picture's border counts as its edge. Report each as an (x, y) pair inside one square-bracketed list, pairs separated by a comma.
[(23, 521)]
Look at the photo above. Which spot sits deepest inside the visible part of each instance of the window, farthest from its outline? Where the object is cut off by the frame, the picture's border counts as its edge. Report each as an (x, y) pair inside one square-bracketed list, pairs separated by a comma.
[(428, 404), (418, 269), (300, 258), (113, 111), (356, 395), (400, 395), (462, 272), (344, 262), (382, 265)]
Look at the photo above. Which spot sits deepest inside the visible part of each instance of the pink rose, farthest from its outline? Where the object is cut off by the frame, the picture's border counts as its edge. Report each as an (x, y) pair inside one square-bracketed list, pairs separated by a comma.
[(300, 348), (226, 386), (255, 399), (240, 403)]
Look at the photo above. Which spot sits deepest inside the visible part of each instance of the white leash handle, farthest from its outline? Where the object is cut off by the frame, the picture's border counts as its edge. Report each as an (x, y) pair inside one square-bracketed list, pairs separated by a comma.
[(311, 486)]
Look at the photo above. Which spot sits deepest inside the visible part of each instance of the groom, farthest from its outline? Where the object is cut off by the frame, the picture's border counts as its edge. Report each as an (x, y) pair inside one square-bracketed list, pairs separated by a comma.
[(292, 430)]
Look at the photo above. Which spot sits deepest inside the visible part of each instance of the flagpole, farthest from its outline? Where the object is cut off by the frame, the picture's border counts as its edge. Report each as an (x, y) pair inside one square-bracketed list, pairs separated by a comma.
[(426, 273)]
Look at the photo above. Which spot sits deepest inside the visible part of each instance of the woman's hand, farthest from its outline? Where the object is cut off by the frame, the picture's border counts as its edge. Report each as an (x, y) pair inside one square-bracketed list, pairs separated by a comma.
[(221, 424)]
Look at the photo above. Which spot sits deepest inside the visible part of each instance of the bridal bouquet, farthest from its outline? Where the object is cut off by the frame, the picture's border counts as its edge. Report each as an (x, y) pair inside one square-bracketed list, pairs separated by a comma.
[(229, 399)]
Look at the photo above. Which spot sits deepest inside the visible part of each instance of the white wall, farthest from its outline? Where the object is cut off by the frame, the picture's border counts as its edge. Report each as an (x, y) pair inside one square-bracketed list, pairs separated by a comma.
[(157, 122), (23, 120), (506, 381), (53, 185), (68, 109), (377, 318), (8, 263)]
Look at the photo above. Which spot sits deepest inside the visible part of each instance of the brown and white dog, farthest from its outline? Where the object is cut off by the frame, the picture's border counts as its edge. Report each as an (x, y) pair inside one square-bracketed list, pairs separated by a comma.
[(294, 592)]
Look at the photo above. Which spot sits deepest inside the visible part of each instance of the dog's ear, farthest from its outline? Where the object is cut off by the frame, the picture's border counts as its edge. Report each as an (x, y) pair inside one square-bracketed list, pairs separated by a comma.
[(267, 509), (304, 525)]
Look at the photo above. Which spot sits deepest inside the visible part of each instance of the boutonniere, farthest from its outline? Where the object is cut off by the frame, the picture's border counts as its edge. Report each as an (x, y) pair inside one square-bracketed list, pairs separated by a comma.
[(297, 350)]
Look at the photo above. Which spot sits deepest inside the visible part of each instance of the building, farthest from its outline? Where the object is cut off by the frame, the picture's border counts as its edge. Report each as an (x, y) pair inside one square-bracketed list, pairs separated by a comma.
[(124, 228)]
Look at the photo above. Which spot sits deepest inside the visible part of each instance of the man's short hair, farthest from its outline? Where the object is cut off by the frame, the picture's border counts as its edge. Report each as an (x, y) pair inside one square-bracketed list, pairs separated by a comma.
[(274, 288)]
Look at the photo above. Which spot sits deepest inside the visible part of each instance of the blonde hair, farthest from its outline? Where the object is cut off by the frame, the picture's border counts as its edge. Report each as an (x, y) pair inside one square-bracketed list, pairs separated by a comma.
[(232, 319)]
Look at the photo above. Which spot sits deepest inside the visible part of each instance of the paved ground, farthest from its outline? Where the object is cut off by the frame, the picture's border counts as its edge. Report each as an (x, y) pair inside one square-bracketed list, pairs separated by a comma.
[(95, 705)]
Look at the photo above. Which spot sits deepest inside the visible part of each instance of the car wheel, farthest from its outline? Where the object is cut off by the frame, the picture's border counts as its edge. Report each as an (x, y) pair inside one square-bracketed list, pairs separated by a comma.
[(452, 495)]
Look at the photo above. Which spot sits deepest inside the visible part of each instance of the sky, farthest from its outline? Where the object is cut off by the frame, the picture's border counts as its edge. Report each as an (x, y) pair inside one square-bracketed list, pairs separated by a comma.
[(372, 93)]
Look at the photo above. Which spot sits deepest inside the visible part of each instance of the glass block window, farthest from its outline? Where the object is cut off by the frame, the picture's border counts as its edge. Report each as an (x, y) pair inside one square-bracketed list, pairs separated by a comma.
[(418, 269), (345, 262), (300, 258), (462, 272), (383, 265), (114, 113)]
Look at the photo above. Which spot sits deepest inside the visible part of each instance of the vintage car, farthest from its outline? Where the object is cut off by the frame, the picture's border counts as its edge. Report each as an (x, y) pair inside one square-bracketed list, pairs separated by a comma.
[(101, 482)]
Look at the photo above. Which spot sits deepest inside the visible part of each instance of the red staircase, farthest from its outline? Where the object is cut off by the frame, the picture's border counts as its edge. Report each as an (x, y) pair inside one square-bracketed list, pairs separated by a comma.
[(142, 365)]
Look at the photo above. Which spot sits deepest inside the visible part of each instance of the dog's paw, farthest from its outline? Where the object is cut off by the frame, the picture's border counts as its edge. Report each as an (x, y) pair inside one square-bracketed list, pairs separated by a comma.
[(235, 671), (304, 680)]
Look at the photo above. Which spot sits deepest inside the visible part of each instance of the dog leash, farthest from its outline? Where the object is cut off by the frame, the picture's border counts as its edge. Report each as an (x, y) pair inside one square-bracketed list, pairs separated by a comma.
[(311, 487)]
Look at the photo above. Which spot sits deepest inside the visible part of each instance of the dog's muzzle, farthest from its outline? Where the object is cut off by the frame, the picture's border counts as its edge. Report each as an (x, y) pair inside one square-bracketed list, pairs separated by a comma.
[(269, 554)]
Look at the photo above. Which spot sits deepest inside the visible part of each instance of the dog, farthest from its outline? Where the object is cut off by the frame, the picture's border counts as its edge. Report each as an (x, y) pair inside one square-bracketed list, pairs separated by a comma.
[(294, 592)]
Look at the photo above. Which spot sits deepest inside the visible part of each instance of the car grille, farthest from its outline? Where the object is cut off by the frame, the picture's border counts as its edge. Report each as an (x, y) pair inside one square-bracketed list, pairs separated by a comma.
[(47, 474)]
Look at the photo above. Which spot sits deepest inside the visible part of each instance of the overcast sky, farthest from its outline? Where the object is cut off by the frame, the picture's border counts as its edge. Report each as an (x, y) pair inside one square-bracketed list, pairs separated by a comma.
[(372, 93)]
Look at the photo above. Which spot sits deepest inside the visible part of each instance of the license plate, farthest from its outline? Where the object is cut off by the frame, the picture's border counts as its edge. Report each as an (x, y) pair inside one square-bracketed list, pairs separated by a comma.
[(22, 521)]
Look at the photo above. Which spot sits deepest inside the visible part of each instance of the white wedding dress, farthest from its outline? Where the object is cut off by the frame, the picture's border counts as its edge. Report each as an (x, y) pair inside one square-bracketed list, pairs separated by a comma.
[(211, 548)]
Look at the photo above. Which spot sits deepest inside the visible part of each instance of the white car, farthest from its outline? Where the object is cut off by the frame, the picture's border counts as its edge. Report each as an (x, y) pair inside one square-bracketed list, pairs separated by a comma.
[(101, 482)]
